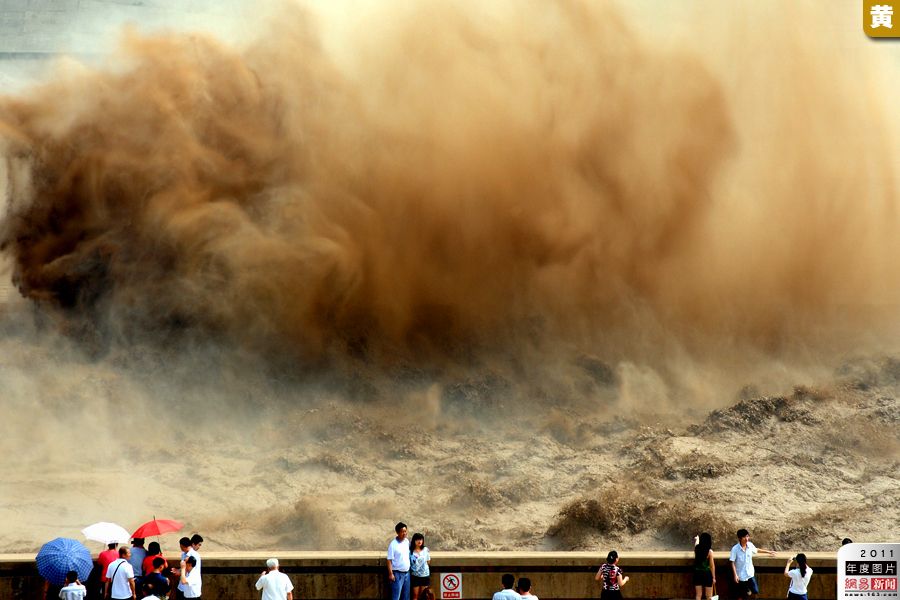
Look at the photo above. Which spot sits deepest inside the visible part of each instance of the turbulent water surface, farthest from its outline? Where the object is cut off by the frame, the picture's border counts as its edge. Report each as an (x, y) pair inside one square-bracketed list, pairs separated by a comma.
[(526, 276)]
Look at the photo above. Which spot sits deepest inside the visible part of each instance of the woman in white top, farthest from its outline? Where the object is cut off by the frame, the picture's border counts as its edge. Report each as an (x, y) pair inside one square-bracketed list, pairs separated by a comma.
[(799, 577), (419, 559)]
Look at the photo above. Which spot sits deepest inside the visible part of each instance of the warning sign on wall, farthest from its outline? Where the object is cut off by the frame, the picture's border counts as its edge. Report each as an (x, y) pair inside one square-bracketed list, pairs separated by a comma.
[(451, 586)]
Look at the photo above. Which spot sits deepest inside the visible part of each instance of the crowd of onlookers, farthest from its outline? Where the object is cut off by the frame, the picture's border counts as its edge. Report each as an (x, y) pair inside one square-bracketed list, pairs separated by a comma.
[(408, 571), (135, 572), (129, 573)]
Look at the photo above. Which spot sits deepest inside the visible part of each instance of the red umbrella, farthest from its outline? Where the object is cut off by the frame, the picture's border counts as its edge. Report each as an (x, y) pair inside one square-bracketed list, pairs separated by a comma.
[(156, 527)]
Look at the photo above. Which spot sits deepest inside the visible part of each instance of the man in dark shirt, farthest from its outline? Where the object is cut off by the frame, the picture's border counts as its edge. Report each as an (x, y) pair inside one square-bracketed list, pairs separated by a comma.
[(155, 583)]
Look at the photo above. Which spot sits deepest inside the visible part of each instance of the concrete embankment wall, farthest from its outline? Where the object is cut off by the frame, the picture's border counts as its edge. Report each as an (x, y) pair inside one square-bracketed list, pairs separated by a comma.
[(555, 575)]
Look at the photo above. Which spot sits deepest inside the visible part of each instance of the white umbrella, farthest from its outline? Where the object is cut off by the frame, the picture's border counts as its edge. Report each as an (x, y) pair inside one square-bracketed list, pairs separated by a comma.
[(106, 533)]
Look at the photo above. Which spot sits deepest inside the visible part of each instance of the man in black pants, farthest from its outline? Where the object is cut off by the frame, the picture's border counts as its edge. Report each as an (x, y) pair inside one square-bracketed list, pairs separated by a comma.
[(120, 577)]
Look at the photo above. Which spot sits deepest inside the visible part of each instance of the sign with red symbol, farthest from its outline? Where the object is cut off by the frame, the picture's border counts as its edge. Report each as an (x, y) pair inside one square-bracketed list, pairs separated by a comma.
[(451, 586)]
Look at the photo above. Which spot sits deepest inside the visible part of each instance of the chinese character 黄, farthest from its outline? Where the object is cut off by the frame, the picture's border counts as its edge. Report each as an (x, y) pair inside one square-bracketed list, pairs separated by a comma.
[(881, 15)]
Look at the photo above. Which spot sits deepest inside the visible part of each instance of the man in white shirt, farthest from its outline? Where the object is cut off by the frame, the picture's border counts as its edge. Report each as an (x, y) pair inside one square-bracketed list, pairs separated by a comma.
[(507, 593), (188, 551), (742, 564), (191, 547), (73, 589), (120, 577), (196, 542), (190, 584), (274, 584), (524, 589), (398, 564)]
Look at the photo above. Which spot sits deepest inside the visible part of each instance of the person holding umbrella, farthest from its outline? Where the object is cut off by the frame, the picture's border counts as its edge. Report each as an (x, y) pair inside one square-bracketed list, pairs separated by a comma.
[(156, 527), (153, 552), (104, 559), (58, 558), (111, 535), (138, 554)]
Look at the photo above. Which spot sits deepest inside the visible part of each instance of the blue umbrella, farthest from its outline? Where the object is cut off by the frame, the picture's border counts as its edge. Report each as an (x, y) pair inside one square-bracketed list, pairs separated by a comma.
[(58, 557)]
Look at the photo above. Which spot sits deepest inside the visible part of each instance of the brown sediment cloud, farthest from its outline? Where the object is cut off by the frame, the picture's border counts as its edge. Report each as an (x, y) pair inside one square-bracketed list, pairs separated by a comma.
[(476, 183)]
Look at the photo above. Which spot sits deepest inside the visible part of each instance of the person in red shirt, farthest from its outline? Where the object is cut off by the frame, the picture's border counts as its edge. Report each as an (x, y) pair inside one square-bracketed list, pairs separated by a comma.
[(153, 550), (103, 560)]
